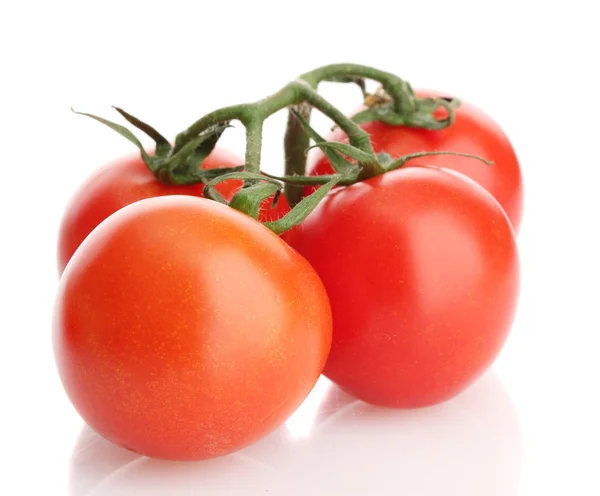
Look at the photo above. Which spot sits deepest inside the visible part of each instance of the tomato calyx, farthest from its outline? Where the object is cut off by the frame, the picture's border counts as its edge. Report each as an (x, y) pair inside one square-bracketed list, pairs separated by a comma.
[(181, 167), (352, 165), (180, 163), (420, 112), (259, 187), (395, 103), (358, 174)]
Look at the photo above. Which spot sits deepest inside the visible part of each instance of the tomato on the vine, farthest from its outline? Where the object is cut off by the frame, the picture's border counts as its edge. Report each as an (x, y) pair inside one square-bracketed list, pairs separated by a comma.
[(184, 329), (128, 180), (421, 268), (473, 132)]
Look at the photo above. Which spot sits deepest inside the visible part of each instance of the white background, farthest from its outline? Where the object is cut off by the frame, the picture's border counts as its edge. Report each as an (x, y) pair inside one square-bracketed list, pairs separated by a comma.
[(530, 427)]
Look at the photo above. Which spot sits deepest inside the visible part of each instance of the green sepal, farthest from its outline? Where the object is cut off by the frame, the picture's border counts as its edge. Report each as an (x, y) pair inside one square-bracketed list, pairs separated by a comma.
[(151, 162), (348, 150), (209, 190), (421, 117), (181, 168), (385, 159), (184, 166), (337, 161), (163, 147), (398, 163), (248, 199), (206, 146), (303, 208)]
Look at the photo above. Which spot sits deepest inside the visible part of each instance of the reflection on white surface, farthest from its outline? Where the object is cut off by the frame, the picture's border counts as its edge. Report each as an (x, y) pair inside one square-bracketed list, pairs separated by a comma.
[(336, 445), (302, 420)]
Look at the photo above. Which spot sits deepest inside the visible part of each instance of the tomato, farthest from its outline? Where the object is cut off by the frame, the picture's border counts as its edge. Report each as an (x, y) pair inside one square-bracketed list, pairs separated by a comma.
[(472, 132), (184, 329), (128, 180), (421, 268)]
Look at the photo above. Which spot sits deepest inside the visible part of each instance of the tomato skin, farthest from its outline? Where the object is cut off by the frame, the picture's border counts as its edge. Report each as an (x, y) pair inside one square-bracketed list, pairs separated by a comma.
[(421, 268), (472, 132), (184, 329), (128, 180)]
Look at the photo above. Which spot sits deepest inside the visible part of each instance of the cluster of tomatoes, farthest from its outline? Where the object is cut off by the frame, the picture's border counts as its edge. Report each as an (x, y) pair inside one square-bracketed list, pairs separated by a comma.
[(185, 329)]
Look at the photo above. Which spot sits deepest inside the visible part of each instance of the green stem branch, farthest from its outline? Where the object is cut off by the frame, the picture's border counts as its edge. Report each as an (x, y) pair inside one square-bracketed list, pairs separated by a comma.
[(253, 115), (295, 142), (254, 129), (354, 161), (215, 117), (356, 136), (400, 91)]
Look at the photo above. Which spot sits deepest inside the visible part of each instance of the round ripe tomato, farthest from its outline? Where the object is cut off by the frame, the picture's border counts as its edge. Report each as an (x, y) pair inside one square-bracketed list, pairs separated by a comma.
[(472, 132), (128, 180), (184, 329), (421, 268)]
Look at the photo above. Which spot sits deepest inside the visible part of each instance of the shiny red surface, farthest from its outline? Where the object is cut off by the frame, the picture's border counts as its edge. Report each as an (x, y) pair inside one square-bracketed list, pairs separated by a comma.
[(184, 329), (473, 132), (128, 180), (422, 273)]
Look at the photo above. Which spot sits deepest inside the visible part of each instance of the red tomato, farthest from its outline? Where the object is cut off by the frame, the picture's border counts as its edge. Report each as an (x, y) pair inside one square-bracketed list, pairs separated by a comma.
[(128, 180), (472, 132), (184, 329), (421, 268)]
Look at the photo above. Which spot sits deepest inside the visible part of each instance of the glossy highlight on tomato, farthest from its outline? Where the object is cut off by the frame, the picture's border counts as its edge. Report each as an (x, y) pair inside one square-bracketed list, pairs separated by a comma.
[(128, 180), (184, 329), (421, 268), (473, 132)]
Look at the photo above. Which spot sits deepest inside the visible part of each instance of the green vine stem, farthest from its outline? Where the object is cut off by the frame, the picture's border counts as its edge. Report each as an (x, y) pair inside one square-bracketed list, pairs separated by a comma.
[(296, 95), (180, 163), (252, 116), (404, 109), (349, 179), (295, 143), (399, 90), (299, 94)]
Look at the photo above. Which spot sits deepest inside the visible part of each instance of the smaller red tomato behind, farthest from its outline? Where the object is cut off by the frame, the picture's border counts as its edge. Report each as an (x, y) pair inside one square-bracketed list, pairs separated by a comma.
[(128, 180), (184, 329), (473, 132), (421, 268)]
